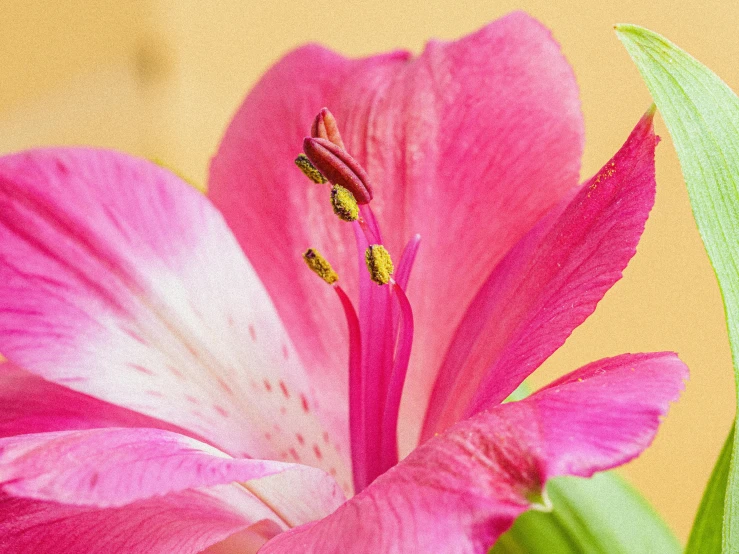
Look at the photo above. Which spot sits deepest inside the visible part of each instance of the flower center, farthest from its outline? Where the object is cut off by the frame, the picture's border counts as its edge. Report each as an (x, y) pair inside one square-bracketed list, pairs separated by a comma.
[(380, 338)]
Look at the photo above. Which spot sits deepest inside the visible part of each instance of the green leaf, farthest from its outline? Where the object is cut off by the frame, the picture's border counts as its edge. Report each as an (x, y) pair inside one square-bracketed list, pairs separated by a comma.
[(706, 533), (702, 114), (590, 516)]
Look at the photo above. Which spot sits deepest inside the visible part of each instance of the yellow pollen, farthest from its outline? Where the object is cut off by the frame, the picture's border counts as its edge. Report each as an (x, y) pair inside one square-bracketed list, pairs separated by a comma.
[(606, 173), (379, 264), (309, 170), (344, 203), (320, 266)]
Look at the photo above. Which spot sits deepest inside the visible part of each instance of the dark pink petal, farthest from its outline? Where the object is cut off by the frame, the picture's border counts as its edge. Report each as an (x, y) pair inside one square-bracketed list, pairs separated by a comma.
[(609, 408), (185, 523), (120, 281), (31, 404), (114, 467), (460, 490), (467, 145), (547, 285)]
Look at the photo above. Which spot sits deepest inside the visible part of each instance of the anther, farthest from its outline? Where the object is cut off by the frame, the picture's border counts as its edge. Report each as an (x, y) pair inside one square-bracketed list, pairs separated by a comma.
[(309, 170), (379, 264), (344, 203), (339, 167), (320, 266), (325, 127)]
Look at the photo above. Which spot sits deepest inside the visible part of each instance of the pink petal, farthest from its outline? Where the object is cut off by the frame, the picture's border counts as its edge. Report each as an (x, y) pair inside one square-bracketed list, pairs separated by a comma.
[(120, 281), (468, 145), (460, 490), (115, 467), (608, 409), (31, 404), (248, 541), (547, 285), (185, 522)]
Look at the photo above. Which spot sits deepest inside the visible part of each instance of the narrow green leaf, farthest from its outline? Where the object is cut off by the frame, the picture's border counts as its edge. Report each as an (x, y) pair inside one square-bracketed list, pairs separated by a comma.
[(602, 515), (702, 114), (706, 533)]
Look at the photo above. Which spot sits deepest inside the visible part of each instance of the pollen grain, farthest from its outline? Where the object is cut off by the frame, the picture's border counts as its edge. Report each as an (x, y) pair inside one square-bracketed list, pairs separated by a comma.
[(320, 266), (379, 264), (309, 170)]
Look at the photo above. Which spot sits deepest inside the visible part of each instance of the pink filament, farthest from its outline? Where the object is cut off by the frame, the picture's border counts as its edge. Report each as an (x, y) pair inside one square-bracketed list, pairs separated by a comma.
[(389, 445), (403, 273), (384, 363), (356, 416), (376, 327), (368, 233)]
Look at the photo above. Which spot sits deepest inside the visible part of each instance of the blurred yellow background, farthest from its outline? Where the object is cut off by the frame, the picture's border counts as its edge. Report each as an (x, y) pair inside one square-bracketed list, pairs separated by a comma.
[(161, 78)]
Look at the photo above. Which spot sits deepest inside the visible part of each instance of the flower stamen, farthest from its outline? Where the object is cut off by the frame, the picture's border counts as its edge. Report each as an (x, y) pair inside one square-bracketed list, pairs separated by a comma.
[(380, 339), (379, 264), (309, 170), (320, 266), (389, 439), (344, 204), (356, 386)]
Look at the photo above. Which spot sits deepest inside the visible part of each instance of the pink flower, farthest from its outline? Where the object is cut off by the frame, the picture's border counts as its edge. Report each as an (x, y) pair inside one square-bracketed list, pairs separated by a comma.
[(162, 393)]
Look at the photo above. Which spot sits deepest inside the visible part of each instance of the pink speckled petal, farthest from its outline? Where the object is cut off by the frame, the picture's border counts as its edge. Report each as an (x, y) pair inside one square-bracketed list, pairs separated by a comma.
[(460, 490), (122, 282), (31, 404), (547, 285), (185, 523), (467, 144), (118, 466)]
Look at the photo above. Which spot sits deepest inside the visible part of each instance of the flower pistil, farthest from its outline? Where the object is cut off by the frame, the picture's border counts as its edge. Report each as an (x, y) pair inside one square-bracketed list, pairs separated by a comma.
[(381, 338)]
